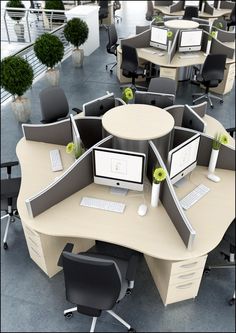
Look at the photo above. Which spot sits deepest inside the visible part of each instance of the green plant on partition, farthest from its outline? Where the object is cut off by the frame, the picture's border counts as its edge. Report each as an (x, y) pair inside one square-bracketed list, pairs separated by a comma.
[(159, 174), (218, 140)]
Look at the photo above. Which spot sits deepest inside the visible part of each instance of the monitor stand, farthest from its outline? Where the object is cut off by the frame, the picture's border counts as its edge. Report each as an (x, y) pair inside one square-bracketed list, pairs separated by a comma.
[(180, 183), (118, 191)]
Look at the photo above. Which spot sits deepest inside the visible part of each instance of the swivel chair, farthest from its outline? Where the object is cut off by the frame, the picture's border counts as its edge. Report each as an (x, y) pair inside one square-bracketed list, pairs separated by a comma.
[(116, 6), (54, 105), (190, 12), (10, 188), (232, 19), (103, 12), (112, 44), (96, 280), (130, 67), (211, 76)]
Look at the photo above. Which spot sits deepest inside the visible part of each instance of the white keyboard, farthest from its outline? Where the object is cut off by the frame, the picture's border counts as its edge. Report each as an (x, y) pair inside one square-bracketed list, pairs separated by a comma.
[(112, 206), (192, 197), (56, 160), (188, 56)]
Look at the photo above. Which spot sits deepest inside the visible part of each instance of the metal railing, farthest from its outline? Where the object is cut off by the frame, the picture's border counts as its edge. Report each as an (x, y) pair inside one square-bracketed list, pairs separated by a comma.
[(38, 68)]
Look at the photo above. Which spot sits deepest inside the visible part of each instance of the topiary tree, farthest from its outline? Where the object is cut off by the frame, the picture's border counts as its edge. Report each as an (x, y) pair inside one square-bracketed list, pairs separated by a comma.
[(49, 49), (58, 17), (76, 32), (16, 75), (15, 4)]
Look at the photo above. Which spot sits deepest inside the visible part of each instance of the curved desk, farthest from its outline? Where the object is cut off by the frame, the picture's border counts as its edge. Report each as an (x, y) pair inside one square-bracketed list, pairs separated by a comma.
[(181, 24), (153, 234), (217, 12)]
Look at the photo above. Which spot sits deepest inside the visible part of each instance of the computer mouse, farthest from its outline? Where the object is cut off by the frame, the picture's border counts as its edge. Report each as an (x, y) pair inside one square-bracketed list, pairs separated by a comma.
[(142, 210), (213, 177)]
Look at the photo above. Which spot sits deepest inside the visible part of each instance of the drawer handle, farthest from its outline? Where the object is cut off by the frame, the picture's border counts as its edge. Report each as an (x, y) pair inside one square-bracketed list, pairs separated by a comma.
[(187, 276), (185, 286), (189, 265)]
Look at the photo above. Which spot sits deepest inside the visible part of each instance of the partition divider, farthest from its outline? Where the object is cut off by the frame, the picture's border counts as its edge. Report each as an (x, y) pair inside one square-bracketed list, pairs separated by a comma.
[(173, 46), (138, 41), (218, 47), (208, 8), (177, 7), (225, 36)]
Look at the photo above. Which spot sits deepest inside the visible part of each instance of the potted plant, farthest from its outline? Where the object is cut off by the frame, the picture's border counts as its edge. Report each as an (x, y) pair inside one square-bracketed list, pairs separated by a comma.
[(76, 32), (159, 174), (58, 17), (49, 50), (77, 150), (127, 95), (17, 15), (16, 77), (216, 144)]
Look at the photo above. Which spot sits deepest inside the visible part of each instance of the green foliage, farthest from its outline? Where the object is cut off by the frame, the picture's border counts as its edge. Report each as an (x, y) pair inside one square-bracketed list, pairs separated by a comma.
[(218, 140), (49, 49), (15, 4), (76, 31), (16, 75), (54, 4)]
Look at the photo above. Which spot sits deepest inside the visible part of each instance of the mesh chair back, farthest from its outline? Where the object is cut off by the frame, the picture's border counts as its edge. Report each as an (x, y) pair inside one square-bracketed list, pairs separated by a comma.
[(129, 59), (162, 85), (54, 104), (91, 282), (112, 39), (190, 11), (213, 67)]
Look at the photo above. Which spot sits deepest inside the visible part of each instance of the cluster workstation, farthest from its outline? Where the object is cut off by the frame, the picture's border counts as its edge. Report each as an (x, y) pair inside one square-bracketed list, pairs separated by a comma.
[(129, 141), (189, 44)]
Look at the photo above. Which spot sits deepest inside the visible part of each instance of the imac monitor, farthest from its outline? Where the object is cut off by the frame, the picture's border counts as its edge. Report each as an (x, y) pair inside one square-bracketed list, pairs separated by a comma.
[(183, 158), (190, 40), (192, 120), (99, 106), (118, 168), (160, 100), (159, 38), (75, 132)]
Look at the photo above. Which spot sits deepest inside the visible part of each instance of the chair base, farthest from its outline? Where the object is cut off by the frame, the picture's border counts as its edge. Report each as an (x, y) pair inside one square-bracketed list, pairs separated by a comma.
[(111, 63), (69, 313), (207, 96), (10, 219)]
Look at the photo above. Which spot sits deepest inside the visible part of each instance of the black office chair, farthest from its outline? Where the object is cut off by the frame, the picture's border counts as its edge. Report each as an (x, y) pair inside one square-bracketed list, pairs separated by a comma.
[(10, 188), (112, 44), (211, 75), (229, 257), (232, 19), (220, 23), (116, 6), (103, 12), (130, 67), (97, 279), (54, 105), (190, 12), (150, 11)]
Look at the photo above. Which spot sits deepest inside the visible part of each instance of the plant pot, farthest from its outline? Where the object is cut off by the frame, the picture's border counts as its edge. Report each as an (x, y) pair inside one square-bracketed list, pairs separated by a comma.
[(213, 160), (20, 31), (22, 109), (53, 76), (78, 57), (155, 194)]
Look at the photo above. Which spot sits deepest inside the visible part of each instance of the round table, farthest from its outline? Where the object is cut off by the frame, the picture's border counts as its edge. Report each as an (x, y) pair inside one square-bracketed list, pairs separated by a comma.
[(137, 122), (181, 24)]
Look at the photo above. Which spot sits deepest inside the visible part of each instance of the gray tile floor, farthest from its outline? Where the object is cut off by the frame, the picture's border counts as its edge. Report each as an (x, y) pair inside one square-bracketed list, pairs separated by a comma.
[(32, 302)]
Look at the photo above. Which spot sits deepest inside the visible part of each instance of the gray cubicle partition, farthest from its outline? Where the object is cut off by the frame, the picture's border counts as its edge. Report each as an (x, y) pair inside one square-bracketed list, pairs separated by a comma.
[(218, 47), (78, 176), (170, 200), (225, 36), (49, 133), (227, 4), (205, 27), (208, 8), (138, 41), (177, 7), (163, 3), (177, 113), (174, 45), (205, 37)]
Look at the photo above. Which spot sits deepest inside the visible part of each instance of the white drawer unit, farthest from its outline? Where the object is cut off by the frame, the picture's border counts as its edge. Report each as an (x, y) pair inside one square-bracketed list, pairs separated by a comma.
[(177, 280)]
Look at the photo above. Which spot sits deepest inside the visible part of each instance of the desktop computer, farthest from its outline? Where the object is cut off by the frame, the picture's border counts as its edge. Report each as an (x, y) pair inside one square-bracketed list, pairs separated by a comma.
[(119, 168), (159, 38), (190, 40), (183, 158)]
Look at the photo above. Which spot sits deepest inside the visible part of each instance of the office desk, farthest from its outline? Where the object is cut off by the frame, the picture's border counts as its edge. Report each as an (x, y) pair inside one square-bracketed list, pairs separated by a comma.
[(181, 24), (176, 271)]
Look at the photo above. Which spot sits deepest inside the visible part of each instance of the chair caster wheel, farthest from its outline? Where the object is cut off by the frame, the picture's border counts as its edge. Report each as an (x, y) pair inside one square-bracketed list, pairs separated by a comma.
[(212, 106), (232, 301), (128, 292), (221, 102), (206, 271), (132, 330), (5, 246), (111, 71), (106, 67), (68, 315)]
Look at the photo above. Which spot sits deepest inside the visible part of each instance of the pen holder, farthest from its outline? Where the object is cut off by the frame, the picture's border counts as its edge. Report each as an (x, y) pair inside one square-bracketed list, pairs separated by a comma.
[(155, 194)]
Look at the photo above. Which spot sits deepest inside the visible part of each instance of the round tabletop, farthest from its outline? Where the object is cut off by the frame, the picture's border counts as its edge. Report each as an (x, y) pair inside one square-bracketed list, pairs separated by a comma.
[(137, 122), (181, 24)]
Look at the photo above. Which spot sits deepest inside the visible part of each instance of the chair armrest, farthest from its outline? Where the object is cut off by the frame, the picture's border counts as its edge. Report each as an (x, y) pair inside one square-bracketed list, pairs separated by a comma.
[(68, 248), (231, 131), (131, 271), (9, 165), (77, 110)]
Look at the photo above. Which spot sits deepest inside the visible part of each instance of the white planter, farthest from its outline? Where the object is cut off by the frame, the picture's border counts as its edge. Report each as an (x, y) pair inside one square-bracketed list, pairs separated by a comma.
[(155, 194), (53, 76), (208, 47), (213, 160), (78, 57), (22, 109)]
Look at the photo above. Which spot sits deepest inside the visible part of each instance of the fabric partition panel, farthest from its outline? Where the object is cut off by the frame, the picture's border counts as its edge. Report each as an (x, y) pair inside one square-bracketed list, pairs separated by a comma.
[(177, 7), (205, 36), (219, 48), (227, 4), (138, 41), (208, 8), (173, 46), (225, 36), (177, 113)]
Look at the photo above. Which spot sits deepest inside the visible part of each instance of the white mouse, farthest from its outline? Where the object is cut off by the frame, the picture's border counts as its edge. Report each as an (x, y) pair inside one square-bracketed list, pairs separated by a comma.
[(142, 210), (213, 177)]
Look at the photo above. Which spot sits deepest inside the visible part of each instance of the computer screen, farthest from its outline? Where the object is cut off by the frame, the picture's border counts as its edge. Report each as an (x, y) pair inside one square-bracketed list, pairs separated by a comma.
[(191, 3), (99, 106), (118, 168), (159, 38), (75, 132), (183, 158), (192, 120), (190, 40), (157, 99)]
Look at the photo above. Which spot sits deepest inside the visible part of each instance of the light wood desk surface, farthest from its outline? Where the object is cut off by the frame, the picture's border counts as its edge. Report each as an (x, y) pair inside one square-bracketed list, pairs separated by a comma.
[(181, 24), (217, 12), (137, 122)]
